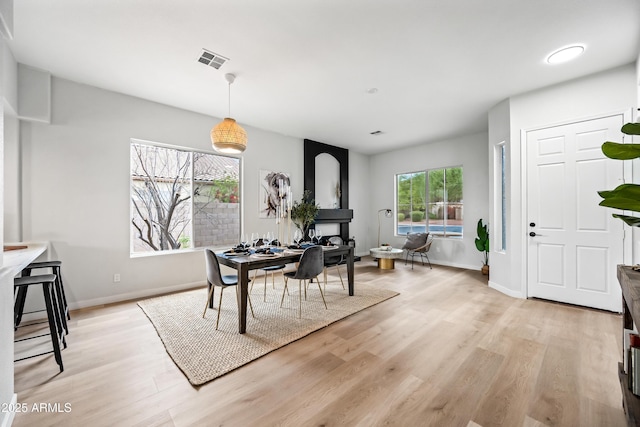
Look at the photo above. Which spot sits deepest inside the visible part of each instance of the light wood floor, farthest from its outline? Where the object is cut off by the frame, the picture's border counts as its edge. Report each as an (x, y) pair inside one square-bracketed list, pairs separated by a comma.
[(448, 351)]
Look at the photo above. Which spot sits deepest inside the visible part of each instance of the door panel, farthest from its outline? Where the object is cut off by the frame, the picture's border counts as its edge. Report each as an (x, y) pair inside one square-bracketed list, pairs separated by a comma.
[(575, 244)]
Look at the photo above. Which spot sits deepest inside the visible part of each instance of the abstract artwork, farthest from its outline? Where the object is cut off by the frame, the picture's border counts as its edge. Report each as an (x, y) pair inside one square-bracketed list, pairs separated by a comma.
[(274, 189)]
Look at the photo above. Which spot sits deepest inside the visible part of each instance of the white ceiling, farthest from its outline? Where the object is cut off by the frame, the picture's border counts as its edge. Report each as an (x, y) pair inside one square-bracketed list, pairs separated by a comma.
[(303, 67)]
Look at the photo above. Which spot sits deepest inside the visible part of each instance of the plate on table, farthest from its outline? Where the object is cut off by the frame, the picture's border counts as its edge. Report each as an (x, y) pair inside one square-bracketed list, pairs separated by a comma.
[(294, 251), (265, 255), (328, 248)]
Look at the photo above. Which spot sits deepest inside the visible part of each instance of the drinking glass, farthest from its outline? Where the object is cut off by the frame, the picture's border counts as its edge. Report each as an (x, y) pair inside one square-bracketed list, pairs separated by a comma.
[(318, 235), (254, 239), (243, 240), (267, 238), (297, 235), (312, 234)]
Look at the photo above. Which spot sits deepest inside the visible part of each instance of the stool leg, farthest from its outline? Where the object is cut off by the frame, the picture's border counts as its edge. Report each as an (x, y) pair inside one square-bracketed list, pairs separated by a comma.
[(18, 307), (61, 304), (58, 274), (55, 334)]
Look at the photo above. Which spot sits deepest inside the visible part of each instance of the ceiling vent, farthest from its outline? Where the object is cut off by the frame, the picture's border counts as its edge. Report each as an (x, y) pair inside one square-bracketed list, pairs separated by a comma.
[(212, 59), (377, 132)]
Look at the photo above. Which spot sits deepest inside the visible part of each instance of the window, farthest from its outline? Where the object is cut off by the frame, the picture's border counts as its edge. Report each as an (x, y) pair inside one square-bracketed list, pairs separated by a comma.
[(430, 200), (182, 198), (500, 191)]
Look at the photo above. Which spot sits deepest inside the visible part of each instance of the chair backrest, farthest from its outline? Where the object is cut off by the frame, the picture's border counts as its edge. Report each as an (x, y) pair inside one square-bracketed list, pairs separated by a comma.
[(311, 263), (329, 260), (336, 240), (415, 240), (214, 276), (429, 240)]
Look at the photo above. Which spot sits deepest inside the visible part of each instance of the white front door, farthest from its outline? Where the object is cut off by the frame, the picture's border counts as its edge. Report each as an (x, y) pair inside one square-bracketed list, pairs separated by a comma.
[(574, 245)]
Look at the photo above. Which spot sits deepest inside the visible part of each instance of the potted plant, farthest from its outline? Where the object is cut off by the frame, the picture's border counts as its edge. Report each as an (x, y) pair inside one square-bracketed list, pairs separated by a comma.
[(304, 212), (482, 243), (624, 196)]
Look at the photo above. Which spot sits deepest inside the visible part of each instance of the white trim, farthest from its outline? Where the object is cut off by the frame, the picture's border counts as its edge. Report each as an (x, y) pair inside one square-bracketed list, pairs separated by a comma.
[(509, 292), (147, 293), (7, 419)]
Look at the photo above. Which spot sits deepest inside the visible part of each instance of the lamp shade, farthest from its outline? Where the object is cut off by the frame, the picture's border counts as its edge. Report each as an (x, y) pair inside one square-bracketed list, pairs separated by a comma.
[(229, 137)]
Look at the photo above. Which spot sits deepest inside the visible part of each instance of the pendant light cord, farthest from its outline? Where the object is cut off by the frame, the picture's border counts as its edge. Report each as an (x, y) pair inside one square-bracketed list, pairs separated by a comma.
[(229, 99)]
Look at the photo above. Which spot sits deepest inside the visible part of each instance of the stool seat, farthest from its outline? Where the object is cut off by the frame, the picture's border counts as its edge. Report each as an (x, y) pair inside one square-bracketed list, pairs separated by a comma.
[(54, 315), (61, 297), (34, 280), (44, 264)]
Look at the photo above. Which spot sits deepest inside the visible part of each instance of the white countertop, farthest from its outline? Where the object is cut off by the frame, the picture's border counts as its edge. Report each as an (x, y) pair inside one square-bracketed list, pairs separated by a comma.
[(14, 261)]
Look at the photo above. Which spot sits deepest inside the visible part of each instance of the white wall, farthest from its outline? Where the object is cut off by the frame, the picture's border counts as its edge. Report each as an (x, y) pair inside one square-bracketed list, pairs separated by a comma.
[(75, 188), (613, 91), (8, 85), (360, 190), (470, 152)]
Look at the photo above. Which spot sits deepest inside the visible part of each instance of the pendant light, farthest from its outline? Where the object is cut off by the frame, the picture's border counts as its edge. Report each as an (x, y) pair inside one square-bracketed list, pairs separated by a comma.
[(228, 136)]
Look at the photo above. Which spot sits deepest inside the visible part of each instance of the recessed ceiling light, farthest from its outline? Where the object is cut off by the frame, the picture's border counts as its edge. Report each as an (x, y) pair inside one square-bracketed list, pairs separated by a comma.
[(565, 54)]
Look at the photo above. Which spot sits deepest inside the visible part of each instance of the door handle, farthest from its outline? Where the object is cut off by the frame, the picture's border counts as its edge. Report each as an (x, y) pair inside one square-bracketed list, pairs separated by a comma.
[(533, 234)]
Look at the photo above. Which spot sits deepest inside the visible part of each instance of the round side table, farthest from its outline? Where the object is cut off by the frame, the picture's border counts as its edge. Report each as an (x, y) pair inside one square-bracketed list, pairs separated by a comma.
[(386, 257)]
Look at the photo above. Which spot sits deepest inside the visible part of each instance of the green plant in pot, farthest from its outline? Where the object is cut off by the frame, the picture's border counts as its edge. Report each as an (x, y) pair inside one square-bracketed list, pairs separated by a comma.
[(482, 244), (625, 197), (304, 212)]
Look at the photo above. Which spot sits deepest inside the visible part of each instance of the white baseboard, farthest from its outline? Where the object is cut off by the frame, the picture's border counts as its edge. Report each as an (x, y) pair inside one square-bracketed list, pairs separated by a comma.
[(510, 292), (145, 293), (7, 417)]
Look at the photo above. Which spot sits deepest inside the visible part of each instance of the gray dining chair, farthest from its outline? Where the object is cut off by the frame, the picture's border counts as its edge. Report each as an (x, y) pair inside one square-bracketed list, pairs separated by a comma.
[(215, 278), (333, 261), (311, 264)]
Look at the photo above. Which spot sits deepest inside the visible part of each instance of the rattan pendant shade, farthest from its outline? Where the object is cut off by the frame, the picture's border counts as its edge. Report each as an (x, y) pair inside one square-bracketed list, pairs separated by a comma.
[(228, 136)]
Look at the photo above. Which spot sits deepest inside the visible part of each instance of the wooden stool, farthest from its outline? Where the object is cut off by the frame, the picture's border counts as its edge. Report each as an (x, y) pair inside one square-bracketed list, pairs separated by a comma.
[(54, 315)]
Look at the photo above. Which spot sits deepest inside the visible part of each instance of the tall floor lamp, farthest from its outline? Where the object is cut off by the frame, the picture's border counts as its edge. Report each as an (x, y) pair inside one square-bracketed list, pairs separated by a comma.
[(387, 213)]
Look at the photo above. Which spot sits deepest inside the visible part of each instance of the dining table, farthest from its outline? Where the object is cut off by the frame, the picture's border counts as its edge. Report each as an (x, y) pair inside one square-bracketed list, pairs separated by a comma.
[(243, 263)]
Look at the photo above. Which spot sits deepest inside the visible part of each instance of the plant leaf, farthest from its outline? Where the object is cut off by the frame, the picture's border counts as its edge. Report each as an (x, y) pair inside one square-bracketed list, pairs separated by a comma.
[(631, 129), (621, 203), (615, 150), (629, 191), (630, 220)]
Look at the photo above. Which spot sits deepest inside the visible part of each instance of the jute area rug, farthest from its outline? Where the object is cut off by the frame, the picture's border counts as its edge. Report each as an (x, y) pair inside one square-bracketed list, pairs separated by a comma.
[(203, 354)]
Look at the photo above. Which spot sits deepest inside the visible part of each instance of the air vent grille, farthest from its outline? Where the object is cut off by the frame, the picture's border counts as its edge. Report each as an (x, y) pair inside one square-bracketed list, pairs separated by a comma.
[(212, 59), (376, 132)]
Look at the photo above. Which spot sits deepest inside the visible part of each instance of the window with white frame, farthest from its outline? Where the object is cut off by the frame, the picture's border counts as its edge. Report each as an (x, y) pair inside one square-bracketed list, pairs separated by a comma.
[(182, 198), (430, 201)]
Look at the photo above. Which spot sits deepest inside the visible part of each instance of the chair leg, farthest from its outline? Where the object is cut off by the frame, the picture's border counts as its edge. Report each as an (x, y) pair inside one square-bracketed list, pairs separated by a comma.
[(300, 297), (284, 290), (428, 260), (264, 293), (322, 295), (340, 275), (283, 279), (209, 301), (255, 273), (250, 306), (219, 307), (325, 279)]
